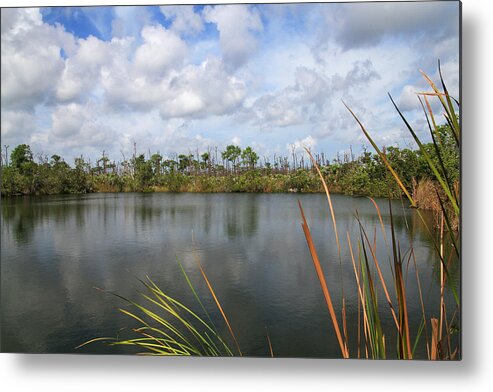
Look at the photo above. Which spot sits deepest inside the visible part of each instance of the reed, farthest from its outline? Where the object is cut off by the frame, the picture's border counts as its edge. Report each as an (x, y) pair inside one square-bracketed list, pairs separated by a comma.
[(323, 284), (366, 266), (369, 280)]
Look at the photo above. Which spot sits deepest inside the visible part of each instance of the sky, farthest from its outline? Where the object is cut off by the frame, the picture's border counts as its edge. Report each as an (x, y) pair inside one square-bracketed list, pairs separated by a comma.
[(177, 79)]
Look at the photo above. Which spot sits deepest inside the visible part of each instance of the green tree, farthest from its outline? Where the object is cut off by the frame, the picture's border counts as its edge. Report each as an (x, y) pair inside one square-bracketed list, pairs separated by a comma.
[(143, 172), (206, 157), (249, 158), (21, 156), (232, 154), (170, 166), (156, 164), (185, 162), (80, 182)]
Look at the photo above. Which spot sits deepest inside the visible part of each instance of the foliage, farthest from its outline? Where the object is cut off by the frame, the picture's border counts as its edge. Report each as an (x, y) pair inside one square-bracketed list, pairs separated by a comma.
[(166, 326), (240, 171), (439, 161), (232, 154), (249, 157)]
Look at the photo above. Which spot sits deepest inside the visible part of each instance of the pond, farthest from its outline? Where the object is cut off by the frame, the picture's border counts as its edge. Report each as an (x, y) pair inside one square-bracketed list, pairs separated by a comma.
[(56, 251)]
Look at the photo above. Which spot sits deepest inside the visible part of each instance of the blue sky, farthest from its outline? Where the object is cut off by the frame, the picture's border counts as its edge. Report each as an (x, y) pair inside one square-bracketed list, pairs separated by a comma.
[(174, 79)]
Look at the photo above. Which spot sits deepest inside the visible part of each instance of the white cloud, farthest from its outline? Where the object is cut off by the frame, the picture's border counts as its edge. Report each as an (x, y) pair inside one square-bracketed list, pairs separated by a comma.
[(75, 125), (310, 99), (299, 145), (82, 70), (237, 25), (161, 51), (408, 100), (68, 119), (272, 111), (203, 90), (31, 62), (17, 20), (158, 77), (17, 124), (123, 87), (185, 20)]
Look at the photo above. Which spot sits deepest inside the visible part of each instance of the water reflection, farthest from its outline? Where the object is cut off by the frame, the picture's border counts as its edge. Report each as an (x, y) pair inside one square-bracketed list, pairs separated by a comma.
[(55, 250), (241, 215)]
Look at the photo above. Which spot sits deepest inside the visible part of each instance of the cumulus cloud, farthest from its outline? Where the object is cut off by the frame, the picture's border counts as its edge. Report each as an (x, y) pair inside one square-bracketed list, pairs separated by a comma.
[(123, 87), (82, 70), (17, 124), (186, 91), (310, 98), (237, 25), (272, 111), (80, 126), (67, 120), (162, 50), (31, 62), (15, 20), (184, 19), (203, 90), (158, 77), (138, 79), (408, 100)]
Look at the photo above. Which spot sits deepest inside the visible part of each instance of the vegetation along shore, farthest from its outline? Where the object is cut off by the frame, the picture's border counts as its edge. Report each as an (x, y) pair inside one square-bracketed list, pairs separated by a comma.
[(231, 170)]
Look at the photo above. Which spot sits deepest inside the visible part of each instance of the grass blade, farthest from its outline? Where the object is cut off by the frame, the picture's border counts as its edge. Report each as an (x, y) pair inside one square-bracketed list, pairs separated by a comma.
[(323, 283), (220, 308), (382, 156), (270, 344), (430, 163)]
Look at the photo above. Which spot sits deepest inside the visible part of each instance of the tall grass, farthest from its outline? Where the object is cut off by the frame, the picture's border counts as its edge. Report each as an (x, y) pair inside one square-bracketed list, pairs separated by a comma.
[(165, 326), (366, 266)]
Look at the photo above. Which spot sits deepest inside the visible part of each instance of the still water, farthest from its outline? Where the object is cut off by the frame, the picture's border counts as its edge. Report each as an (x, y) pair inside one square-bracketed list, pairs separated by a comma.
[(56, 250)]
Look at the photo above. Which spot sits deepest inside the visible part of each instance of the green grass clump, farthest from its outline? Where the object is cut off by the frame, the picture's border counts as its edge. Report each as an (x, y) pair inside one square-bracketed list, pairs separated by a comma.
[(165, 326)]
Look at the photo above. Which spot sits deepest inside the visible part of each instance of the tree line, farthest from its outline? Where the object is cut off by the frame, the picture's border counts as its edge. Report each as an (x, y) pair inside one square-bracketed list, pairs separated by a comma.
[(231, 170)]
